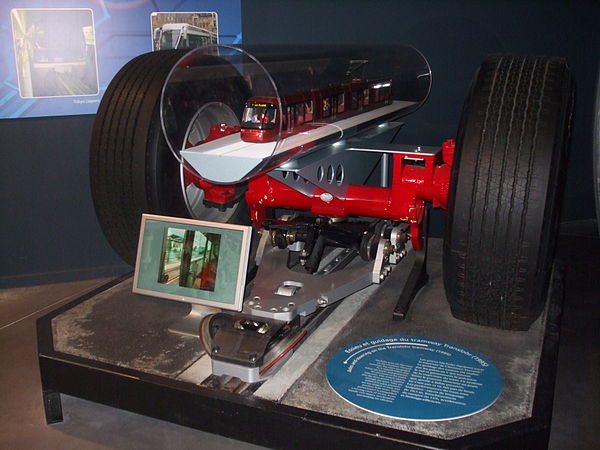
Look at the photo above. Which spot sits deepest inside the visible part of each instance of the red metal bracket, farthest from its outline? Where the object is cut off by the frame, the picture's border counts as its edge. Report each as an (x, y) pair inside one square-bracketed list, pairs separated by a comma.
[(417, 178)]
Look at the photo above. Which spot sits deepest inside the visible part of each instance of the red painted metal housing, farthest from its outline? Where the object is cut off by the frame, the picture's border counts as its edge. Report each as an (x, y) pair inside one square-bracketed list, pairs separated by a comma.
[(417, 178)]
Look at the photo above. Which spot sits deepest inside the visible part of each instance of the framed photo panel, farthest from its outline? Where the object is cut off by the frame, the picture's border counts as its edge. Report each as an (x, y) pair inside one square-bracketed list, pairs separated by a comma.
[(192, 261)]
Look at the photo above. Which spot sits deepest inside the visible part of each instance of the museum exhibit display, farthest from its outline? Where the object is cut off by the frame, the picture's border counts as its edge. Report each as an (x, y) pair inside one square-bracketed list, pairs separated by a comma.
[(278, 226)]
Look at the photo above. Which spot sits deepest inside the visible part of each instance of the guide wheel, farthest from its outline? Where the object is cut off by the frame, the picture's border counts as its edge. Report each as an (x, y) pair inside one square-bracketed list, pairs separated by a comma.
[(236, 340)]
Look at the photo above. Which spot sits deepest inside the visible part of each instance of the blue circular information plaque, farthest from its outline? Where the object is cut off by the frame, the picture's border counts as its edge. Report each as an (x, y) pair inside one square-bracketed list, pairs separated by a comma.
[(414, 378)]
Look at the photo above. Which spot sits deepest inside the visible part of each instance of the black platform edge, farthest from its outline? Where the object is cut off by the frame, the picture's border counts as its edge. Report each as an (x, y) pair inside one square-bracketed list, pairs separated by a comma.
[(270, 424)]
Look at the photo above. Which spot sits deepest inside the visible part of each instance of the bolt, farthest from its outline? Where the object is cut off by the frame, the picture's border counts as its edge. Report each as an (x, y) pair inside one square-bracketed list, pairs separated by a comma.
[(326, 197), (322, 301)]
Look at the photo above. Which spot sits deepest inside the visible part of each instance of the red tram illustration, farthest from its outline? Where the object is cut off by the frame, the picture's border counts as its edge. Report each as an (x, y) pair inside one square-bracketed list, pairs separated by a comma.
[(261, 121)]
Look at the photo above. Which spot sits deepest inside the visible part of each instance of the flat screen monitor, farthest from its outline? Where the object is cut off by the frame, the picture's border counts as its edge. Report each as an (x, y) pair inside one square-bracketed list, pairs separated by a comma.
[(192, 261)]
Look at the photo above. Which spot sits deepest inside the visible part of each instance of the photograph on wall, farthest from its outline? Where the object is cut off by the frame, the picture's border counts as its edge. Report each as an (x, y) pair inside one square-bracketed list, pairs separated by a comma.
[(55, 52), (183, 30), (57, 57), (189, 258)]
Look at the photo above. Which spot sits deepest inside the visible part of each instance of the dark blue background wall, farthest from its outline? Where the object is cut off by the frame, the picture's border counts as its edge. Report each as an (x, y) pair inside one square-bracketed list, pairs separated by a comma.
[(49, 231)]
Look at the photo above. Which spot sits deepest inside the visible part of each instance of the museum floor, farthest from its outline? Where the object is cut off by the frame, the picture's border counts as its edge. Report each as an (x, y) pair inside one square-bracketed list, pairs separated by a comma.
[(92, 426)]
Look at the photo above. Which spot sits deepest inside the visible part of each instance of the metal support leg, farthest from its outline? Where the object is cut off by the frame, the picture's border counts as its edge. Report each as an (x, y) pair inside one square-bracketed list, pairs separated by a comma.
[(417, 278), (52, 406)]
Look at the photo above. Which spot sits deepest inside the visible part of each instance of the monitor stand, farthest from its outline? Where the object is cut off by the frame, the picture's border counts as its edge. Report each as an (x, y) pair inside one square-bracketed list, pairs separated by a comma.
[(190, 324)]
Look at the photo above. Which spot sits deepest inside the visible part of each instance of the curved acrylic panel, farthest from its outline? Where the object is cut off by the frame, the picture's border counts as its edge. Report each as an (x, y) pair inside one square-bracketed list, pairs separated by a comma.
[(277, 102)]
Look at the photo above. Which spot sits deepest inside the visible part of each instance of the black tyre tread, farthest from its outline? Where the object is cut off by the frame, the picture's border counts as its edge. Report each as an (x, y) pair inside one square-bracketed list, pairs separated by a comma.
[(132, 170), (504, 203), (123, 129)]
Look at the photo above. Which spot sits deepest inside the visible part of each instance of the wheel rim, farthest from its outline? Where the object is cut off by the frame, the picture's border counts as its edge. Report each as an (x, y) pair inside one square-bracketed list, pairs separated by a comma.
[(198, 130)]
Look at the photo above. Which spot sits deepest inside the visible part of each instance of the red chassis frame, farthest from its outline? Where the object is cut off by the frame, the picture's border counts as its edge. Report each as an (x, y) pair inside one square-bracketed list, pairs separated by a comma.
[(417, 178)]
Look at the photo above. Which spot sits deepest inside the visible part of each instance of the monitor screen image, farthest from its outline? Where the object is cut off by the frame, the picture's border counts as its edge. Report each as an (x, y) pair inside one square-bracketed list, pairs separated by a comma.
[(192, 261)]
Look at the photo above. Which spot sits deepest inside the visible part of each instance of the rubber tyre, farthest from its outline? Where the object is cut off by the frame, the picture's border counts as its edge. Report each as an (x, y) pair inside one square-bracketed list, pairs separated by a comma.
[(505, 190), (132, 170), (596, 156)]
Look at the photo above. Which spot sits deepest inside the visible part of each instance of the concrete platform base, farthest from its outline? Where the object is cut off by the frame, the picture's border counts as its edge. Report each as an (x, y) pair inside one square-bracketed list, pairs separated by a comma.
[(113, 347)]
